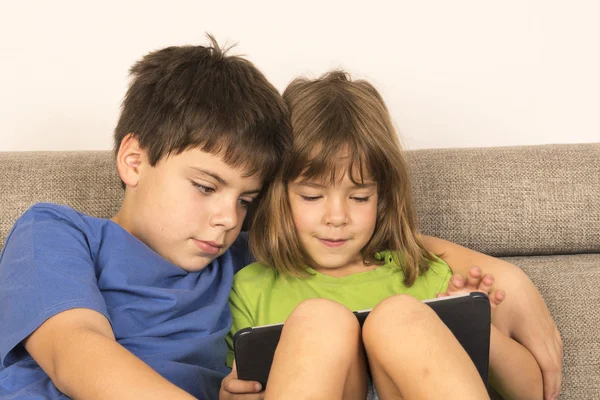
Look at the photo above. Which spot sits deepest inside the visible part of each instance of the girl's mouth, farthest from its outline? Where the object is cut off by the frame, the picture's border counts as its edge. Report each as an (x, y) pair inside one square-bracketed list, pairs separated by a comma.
[(333, 242)]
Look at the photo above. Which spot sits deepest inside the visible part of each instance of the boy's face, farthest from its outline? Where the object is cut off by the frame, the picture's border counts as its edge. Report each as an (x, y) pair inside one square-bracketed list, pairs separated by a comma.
[(334, 223), (189, 207)]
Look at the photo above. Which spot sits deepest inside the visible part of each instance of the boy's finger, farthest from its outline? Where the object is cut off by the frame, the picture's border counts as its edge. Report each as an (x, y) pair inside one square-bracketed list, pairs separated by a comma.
[(457, 282), (498, 297), (486, 284), (238, 386), (474, 278)]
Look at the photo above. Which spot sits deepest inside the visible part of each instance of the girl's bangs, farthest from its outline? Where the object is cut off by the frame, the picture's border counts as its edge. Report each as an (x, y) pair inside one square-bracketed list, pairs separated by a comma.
[(327, 162)]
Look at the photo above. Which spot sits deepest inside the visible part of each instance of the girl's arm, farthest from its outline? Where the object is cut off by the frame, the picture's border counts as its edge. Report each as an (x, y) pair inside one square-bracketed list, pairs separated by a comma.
[(514, 373), (523, 315)]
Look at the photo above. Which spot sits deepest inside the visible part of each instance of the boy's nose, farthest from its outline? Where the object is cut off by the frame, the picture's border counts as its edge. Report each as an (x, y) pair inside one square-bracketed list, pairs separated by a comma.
[(225, 216)]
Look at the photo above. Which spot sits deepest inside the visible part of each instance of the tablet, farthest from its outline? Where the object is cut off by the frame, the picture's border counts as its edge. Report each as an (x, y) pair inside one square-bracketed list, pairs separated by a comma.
[(467, 316)]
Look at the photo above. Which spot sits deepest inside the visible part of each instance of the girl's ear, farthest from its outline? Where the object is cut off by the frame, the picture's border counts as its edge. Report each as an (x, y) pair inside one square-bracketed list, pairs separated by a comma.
[(129, 159)]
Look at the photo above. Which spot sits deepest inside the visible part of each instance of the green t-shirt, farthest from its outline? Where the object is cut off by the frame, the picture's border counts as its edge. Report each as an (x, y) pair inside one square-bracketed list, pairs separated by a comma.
[(260, 296)]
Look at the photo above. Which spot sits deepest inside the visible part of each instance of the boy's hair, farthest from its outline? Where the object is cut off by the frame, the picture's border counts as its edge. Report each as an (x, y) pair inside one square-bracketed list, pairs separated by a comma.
[(199, 97), (334, 117)]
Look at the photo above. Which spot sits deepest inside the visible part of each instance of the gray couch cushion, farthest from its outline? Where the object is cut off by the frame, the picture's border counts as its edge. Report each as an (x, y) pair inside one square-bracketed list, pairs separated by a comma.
[(570, 285)]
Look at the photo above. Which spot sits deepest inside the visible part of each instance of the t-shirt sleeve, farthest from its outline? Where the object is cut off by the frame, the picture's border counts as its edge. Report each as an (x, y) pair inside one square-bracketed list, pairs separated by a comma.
[(46, 267), (240, 318)]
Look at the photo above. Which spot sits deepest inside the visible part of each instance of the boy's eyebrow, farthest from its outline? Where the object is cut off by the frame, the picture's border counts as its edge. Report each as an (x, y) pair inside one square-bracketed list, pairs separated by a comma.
[(255, 191), (223, 181), (211, 174)]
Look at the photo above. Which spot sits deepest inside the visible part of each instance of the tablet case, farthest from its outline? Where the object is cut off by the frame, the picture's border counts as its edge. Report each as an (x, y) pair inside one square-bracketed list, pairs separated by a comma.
[(467, 316)]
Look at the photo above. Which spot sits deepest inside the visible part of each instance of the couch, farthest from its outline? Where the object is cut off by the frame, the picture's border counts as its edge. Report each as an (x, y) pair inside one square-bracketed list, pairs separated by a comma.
[(535, 206)]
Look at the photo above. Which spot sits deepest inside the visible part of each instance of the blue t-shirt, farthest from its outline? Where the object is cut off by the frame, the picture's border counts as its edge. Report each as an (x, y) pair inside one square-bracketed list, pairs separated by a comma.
[(56, 259)]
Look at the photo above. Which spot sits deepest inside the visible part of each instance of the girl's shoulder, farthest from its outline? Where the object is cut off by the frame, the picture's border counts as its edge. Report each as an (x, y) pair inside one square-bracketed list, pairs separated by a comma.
[(254, 273), (396, 258)]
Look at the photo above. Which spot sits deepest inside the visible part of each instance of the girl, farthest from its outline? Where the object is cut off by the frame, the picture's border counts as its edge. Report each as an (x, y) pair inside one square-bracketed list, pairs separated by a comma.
[(336, 232)]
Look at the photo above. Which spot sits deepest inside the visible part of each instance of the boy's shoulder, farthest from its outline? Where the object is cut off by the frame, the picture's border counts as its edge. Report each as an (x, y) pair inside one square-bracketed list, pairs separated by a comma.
[(49, 226), (51, 216), (58, 212)]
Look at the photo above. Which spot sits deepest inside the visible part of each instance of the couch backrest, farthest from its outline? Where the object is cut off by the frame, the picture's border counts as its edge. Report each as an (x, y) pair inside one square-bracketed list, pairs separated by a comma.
[(526, 200), (502, 201), (85, 180)]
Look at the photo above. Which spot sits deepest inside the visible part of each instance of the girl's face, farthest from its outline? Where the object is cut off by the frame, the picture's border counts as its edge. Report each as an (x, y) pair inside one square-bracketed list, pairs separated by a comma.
[(334, 222)]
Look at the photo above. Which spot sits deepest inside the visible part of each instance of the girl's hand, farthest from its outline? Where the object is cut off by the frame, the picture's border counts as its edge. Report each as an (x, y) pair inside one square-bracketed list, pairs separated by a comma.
[(476, 282), (233, 388)]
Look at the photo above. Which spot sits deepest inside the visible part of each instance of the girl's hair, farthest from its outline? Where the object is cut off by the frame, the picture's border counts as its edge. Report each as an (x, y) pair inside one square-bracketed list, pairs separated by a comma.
[(334, 117)]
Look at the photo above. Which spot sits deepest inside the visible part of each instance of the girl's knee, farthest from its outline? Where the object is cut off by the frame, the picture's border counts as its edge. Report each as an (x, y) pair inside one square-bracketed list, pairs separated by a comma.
[(396, 312), (403, 307), (323, 312)]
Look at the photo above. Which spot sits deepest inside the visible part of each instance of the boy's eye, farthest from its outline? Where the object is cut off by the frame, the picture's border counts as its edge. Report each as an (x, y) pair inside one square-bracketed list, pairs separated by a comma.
[(361, 199), (310, 198), (245, 203), (202, 188)]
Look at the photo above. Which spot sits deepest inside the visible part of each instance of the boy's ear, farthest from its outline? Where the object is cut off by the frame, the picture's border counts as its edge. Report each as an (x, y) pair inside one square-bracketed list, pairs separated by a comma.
[(129, 159)]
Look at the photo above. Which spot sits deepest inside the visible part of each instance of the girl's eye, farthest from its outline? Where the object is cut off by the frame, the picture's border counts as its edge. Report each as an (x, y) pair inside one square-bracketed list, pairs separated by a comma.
[(202, 188), (310, 198), (361, 199)]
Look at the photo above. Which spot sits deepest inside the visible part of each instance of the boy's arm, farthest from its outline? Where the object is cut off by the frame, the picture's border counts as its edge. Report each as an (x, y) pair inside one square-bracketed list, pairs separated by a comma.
[(514, 373), (523, 314), (78, 351)]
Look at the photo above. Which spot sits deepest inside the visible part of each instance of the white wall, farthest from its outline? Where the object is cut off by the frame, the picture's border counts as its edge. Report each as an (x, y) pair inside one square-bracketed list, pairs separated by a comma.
[(454, 73)]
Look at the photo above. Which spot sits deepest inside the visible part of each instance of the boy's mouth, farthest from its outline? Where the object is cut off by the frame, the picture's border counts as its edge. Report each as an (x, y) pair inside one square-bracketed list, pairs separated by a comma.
[(208, 247)]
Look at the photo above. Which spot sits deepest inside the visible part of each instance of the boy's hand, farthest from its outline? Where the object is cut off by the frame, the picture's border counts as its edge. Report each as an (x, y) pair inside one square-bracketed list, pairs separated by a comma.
[(476, 282), (233, 388)]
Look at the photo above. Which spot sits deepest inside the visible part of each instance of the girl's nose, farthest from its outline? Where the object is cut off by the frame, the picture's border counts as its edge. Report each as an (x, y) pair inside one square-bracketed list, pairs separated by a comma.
[(337, 213)]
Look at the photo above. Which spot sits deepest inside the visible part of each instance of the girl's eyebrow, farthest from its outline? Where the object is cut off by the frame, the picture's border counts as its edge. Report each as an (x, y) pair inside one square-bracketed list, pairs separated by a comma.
[(309, 184), (368, 185)]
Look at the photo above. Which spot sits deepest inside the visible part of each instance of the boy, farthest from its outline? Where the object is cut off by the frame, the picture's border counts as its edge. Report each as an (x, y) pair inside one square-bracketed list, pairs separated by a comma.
[(136, 306)]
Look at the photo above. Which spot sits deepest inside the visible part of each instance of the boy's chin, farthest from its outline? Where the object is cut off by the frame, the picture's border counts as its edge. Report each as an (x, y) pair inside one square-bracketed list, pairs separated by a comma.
[(198, 265), (194, 264)]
